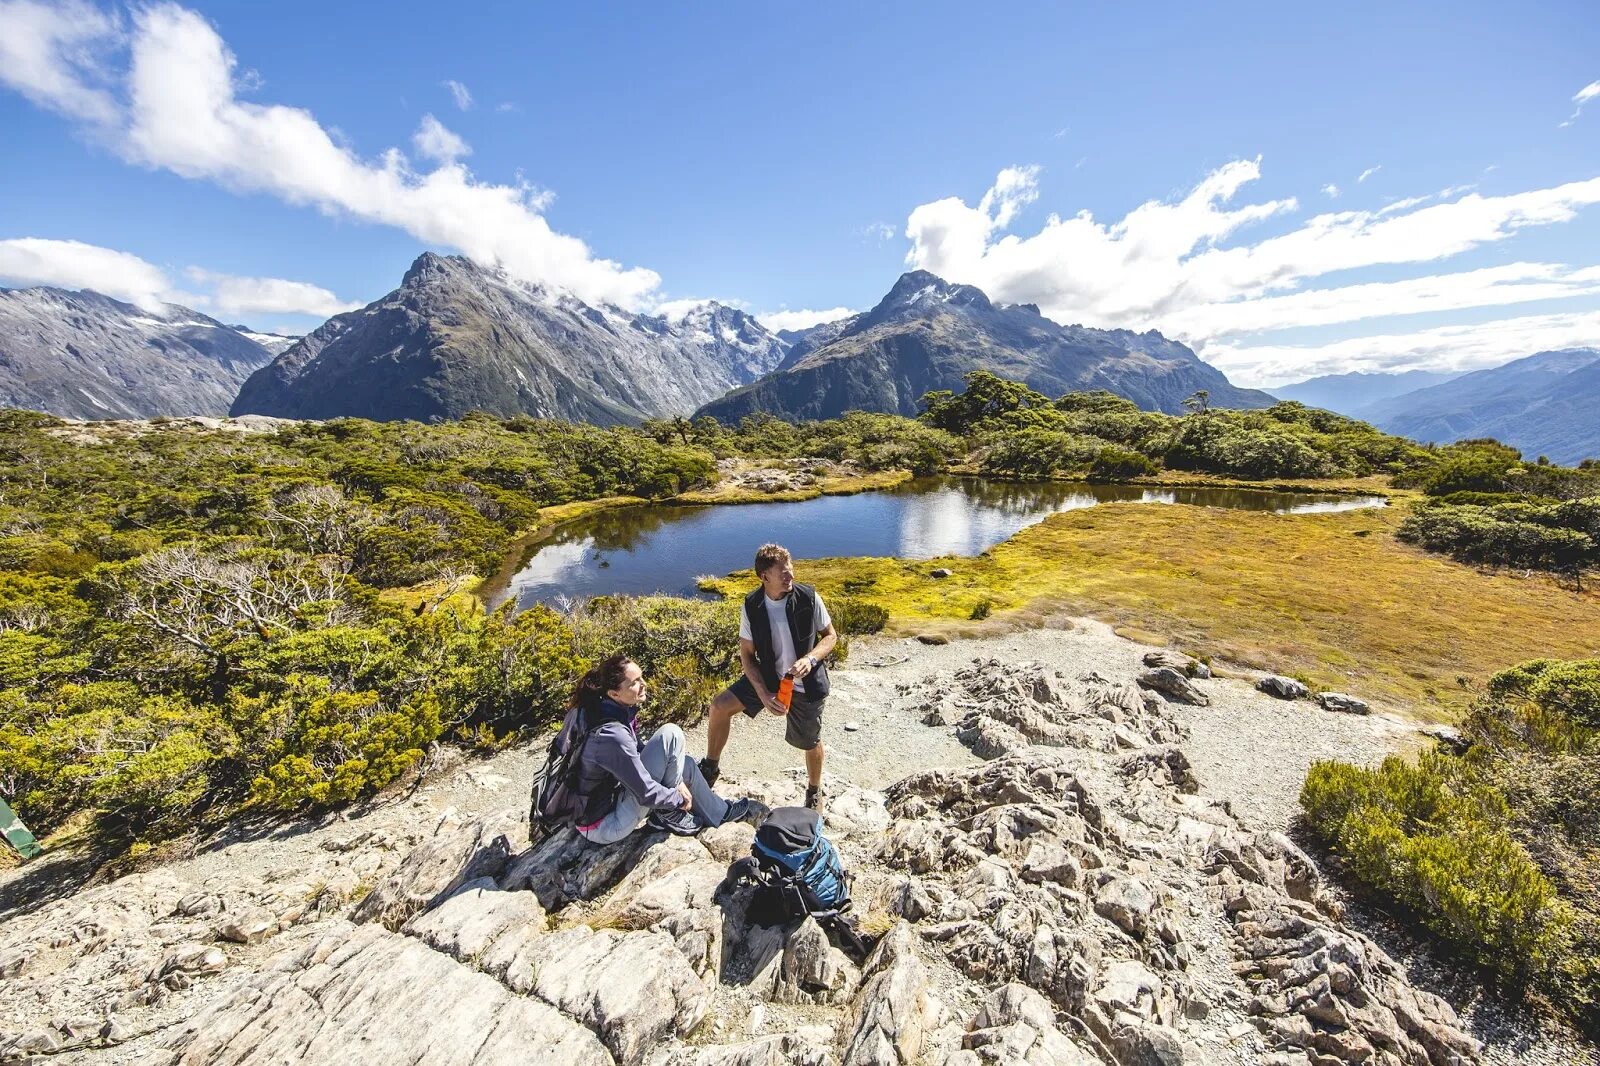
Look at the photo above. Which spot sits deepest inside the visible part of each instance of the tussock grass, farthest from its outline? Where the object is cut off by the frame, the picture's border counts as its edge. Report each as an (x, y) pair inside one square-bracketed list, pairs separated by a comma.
[(1333, 597)]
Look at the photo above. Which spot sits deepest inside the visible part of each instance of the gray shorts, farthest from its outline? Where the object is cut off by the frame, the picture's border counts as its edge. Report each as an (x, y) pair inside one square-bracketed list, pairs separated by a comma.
[(802, 725)]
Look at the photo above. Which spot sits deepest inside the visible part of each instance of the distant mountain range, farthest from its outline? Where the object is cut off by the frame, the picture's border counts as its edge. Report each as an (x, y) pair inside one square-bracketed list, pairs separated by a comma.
[(458, 337), (1545, 404), (927, 333), (1351, 394), (84, 355)]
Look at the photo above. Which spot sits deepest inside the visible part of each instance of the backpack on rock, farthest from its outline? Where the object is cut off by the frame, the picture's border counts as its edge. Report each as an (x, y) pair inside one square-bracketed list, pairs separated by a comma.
[(797, 873), (556, 801)]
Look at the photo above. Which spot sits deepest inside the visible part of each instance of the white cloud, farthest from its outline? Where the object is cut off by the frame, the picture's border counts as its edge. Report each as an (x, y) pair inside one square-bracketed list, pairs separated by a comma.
[(1579, 98), (1466, 347), (1497, 286), (235, 295), (1166, 263), (125, 276), (434, 141), (75, 265), (777, 321), (1077, 269), (184, 115), (676, 311), (1403, 204), (460, 94), (1332, 190), (506, 106), (1184, 266), (48, 53), (1365, 174)]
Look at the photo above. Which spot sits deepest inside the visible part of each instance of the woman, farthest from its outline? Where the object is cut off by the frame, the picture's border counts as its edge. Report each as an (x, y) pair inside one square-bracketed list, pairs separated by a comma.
[(625, 784)]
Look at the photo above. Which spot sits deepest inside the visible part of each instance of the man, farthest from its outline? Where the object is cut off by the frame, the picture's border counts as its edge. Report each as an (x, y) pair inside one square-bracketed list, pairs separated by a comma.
[(783, 629)]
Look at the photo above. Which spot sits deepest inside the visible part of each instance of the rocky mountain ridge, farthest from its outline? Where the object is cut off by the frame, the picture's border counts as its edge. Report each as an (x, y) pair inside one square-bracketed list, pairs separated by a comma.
[(1074, 898), (926, 333), (457, 337), (84, 355), (1543, 404), (1351, 394)]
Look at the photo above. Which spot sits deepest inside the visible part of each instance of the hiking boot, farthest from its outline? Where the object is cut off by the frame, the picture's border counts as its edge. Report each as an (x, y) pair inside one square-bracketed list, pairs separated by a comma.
[(678, 823), (814, 797), (748, 811), (710, 770)]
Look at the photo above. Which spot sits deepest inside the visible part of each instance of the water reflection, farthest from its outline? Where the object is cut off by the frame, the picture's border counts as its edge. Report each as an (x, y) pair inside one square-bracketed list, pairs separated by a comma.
[(663, 549)]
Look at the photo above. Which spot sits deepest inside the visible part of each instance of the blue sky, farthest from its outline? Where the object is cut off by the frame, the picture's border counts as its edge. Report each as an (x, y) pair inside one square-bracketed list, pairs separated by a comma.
[(797, 161)]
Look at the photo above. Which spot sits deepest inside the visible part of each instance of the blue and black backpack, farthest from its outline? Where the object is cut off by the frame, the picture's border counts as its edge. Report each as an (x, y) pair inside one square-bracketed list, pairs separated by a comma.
[(797, 873), (800, 864)]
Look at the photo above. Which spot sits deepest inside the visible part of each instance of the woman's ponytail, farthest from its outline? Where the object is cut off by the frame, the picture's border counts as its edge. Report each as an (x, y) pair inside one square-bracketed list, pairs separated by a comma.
[(593, 686)]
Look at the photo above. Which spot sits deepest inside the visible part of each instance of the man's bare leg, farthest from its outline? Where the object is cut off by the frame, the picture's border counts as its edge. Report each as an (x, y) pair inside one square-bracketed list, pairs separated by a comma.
[(814, 766), (720, 714)]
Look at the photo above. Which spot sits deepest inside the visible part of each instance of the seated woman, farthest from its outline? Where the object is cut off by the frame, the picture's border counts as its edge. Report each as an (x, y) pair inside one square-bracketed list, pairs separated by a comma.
[(624, 784)]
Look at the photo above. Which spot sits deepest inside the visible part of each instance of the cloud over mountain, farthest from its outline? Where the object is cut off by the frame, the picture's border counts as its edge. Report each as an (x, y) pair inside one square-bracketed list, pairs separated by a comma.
[(167, 93), (1187, 267)]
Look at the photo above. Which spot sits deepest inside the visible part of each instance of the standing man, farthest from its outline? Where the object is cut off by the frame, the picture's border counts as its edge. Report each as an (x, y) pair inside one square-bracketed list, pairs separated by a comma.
[(783, 629)]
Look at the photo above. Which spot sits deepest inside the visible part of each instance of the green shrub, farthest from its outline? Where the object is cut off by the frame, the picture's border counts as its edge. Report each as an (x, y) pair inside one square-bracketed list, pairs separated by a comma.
[(335, 746), (1429, 836), (688, 649), (1527, 536), (1498, 851), (1113, 463), (854, 617), (1040, 453)]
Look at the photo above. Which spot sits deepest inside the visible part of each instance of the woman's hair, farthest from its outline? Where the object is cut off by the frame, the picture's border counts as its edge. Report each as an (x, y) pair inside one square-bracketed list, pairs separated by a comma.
[(606, 676)]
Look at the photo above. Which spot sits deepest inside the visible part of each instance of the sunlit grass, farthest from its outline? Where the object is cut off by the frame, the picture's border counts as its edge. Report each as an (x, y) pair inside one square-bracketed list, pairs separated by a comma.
[(727, 492), (1333, 597)]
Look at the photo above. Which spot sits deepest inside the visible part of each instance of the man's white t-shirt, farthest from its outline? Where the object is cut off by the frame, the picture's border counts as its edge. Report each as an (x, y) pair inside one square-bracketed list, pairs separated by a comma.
[(778, 620)]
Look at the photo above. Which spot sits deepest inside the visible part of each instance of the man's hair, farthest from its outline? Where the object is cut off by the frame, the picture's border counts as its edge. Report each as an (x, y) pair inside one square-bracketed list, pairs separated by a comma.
[(770, 555)]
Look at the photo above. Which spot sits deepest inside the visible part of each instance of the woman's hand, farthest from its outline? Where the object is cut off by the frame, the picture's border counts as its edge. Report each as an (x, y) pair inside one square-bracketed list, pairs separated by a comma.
[(688, 797)]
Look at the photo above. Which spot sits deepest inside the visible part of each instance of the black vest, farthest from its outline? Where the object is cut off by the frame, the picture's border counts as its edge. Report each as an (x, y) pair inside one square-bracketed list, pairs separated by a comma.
[(800, 607)]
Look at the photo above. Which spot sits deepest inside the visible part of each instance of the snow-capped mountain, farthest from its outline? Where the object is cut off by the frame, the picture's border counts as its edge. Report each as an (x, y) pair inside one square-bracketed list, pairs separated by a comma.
[(458, 337), (274, 343), (85, 355), (926, 333)]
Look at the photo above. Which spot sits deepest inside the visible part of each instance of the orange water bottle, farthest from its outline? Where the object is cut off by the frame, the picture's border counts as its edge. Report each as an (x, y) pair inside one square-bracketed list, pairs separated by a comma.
[(786, 689)]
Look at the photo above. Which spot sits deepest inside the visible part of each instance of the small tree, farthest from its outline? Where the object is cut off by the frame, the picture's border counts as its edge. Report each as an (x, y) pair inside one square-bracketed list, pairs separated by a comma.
[(1199, 402)]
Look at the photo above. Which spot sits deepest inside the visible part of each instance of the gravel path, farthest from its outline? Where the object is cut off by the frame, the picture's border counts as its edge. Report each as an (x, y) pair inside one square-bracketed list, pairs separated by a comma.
[(1247, 748)]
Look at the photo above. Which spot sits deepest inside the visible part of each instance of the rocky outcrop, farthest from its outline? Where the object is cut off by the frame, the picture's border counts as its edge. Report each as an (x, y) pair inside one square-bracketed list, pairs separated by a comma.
[(999, 708), (1172, 660), (364, 994), (1339, 701), (1173, 684), (1285, 688), (1073, 900)]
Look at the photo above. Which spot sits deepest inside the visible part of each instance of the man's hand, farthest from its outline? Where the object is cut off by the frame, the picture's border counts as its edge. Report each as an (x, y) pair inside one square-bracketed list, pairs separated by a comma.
[(802, 666), (688, 797), (770, 701)]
